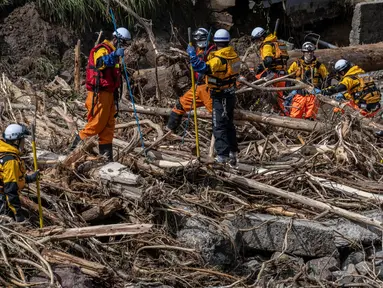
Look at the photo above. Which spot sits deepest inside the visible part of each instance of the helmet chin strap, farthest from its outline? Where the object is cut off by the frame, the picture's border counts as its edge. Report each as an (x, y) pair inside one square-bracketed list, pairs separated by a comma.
[(308, 58)]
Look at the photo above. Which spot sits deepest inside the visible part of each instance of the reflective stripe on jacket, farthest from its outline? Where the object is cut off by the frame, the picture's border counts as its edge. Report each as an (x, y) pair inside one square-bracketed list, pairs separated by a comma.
[(225, 66)]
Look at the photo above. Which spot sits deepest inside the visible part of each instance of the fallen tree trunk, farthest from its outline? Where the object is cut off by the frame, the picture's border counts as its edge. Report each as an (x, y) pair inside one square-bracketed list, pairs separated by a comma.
[(302, 199), (102, 210), (369, 56), (275, 120)]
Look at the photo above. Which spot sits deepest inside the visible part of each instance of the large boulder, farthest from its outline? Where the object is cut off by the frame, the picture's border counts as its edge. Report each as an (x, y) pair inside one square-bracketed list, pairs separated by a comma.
[(219, 246), (322, 268), (304, 238)]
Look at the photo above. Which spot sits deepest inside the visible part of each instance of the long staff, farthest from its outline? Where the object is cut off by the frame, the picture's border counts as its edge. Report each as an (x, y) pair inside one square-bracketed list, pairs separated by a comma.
[(194, 99)]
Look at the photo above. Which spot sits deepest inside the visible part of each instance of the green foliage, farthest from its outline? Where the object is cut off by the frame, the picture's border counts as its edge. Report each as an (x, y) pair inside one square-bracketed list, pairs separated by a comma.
[(81, 14)]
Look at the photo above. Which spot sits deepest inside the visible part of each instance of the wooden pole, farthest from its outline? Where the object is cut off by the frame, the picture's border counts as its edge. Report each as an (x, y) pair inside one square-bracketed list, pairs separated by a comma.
[(252, 184), (77, 76), (276, 120)]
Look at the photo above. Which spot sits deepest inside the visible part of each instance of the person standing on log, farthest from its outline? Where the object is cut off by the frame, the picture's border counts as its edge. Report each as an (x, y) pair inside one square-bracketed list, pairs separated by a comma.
[(185, 103), (103, 79), (12, 170), (357, 88), (274, 56), (309, 70), (221, 69)]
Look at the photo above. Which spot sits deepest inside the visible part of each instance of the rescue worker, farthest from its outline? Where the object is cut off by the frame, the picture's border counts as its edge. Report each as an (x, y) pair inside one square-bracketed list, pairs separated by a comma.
[(309, 70), (356, 87), (103, 78), (202, 94), (12, 170), (221, 69), (274, 58)]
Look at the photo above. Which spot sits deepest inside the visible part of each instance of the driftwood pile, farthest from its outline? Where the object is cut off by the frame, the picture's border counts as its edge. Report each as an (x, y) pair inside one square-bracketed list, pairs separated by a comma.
[(161, 217)]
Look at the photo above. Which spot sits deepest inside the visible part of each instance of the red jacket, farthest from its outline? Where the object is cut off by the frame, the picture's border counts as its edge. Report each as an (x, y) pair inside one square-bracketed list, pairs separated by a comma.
[(108, 79)]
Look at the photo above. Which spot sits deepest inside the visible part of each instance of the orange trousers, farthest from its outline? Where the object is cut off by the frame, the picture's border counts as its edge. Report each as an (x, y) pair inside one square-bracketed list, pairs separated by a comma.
[(354, 106), (102, 122), (304, 107), (202, 96)]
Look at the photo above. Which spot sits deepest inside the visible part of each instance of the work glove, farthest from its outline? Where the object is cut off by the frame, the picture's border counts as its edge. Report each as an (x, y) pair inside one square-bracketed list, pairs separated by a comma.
[(118, 53), (191, 51), (32, 177), (198, 64), (316, 91), (339, 97), (260, 68)]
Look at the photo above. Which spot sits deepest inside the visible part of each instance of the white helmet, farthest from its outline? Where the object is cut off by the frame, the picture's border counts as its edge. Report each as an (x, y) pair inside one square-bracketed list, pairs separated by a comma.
[(122, 33), (222, 35), (15, 132), (308, 47), (257, 33), (341, 65)]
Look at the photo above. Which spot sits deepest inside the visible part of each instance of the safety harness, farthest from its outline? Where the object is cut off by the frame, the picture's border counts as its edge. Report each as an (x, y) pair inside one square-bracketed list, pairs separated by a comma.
[(365, 90), (227, 78), (281, 56)]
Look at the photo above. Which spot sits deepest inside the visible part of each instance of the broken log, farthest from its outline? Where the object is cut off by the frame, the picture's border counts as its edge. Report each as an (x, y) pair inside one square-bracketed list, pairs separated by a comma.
[(118, 179), (346, 189), (60, 233), (77, 75), (275, 120), (366, 122), (78, 153), (103, 210), (252, 184), (369, 56), (93, 269)]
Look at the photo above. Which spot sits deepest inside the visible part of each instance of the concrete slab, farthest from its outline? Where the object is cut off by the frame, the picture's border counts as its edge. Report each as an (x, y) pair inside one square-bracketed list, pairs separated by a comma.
[(305, 238), (367, 26)]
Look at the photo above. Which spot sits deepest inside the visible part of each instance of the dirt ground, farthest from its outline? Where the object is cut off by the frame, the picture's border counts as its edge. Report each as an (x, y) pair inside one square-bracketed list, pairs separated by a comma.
[(30, 46)]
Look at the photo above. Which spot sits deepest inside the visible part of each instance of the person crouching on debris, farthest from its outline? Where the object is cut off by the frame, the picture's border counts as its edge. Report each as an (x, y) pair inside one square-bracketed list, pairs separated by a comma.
[(357, 87), (184, 103), (12, 170), (309, 70), (103, 79), (221, 69), (274, 56)]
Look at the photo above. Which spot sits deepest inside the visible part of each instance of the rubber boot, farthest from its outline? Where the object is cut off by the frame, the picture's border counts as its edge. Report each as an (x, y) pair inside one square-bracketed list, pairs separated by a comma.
[(3, 205), (75, 142), (233, 159), (106, 149), (220, 159), (20, 218), (174, 121)]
